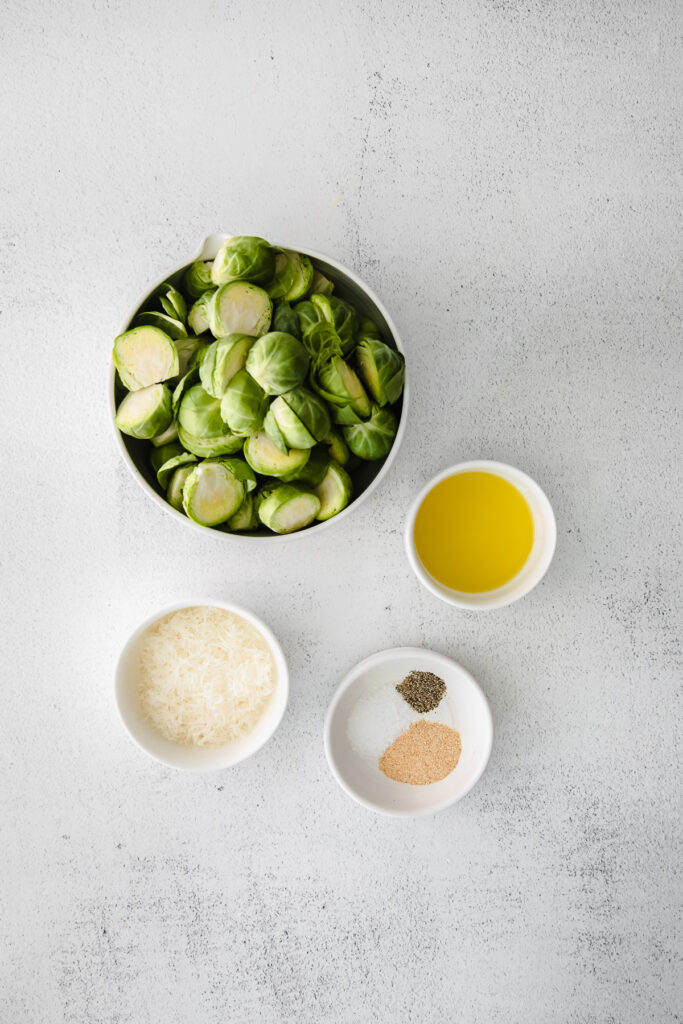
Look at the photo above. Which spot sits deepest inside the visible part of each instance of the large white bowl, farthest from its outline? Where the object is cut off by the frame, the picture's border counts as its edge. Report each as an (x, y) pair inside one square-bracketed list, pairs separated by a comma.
[(176, 755), (367, 477), (536, 565), (469, 712)]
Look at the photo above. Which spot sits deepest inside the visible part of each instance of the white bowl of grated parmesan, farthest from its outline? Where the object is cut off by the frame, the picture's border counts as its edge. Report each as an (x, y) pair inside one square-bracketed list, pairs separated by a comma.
[(201, 685)]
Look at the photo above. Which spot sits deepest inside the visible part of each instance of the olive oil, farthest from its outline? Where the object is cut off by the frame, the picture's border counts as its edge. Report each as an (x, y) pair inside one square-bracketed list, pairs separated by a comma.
[(474, 532)]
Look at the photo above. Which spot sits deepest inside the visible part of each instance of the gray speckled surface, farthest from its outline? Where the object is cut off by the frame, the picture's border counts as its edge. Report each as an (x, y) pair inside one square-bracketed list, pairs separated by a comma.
[(508, 177)]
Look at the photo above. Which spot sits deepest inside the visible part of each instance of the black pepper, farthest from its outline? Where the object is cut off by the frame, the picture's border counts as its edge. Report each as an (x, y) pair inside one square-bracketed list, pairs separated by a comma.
[(422, 690)]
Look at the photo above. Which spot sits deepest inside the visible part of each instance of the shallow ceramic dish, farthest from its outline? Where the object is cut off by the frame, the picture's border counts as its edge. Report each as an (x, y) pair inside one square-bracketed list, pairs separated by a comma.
[(188, 758), (466, 707), (366, 477), (536, 565)]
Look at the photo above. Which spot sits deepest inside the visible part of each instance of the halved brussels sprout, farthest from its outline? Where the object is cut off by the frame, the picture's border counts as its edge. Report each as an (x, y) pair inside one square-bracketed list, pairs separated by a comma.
[(210, 447), (197, 278), (187, 350), (244, 258), (172, 302), (190, 379), (285, 319), (199, 317), (337, 447), (170, 325), (212, 493), (244, 404), (314, 471), (168, 435), (294, 432), (301, 270), (272, 429), (320, 285), (278, 362), (382, 370), (246, 517), (345, 323), (334, 491), (240, 308), (222, 360), (311, 410), (374, 438), (266, 459), (167, 469), (339, 385), (288, 508), (144, 356), (158, 456), (174, 491), (145, 413), (199, 414)]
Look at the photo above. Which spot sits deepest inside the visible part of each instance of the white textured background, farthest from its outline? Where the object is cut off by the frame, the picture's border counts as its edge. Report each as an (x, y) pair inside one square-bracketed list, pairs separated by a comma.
[(507, 175)]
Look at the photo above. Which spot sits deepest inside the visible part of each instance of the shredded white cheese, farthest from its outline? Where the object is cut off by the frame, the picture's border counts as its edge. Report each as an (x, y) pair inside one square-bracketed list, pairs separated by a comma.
[(205, 676)]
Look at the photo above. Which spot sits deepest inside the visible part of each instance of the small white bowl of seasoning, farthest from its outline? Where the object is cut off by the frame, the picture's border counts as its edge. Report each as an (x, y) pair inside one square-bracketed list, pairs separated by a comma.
[(408, 732), (201, 685), (480, 535)]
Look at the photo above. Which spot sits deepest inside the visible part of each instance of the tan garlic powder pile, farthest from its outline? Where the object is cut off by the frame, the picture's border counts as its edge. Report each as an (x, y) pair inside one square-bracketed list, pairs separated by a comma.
[(426, 752)]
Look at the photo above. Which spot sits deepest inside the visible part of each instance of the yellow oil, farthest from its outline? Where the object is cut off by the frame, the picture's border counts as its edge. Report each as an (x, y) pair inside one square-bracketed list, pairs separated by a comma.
[(474, 532)]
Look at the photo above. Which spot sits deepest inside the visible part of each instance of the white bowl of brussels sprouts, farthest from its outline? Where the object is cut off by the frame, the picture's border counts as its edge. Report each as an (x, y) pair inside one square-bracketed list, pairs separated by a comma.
[(258, 390)]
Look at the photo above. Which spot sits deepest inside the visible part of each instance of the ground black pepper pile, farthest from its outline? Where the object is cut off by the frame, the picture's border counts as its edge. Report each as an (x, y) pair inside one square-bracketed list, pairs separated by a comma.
[(422, 690)]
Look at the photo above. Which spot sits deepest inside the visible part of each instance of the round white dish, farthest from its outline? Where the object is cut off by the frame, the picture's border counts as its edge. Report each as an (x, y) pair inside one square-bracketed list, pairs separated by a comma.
[(536, 565), (464, 707), (188, 758), (373, 472)]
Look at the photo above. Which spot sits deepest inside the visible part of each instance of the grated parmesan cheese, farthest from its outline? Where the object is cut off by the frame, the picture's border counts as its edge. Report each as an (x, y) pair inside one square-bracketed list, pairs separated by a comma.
[(205, 676)]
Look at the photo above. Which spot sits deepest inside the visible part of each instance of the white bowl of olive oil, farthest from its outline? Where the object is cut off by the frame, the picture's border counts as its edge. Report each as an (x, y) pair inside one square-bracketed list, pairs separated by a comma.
[(480, 535)]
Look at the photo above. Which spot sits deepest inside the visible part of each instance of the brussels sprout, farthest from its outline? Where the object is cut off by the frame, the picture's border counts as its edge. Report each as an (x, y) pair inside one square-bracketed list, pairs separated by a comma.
[(272, 429), (244, 258), (334, 491), (310, 409), (320, 285), (314, 471), (222, 360), (243, 472), (187, 351), (199, 315), (293, 431), (266, 459), (382, 370), (145, 413), (212, 493), (144, 356), (190, 378), (174, 491), (167, 469), (308, 315), (288, 508), (197, 278), (293, 273), (210, 447), (374, 438), (285, 319), (172, 302), (161, 455), (278, 362), (170, 325), (337, 447), (240, 308), (337, 383), (244, 404), (199, 414), (168, 435), (322, 342), (246, 517), (345, 323)]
